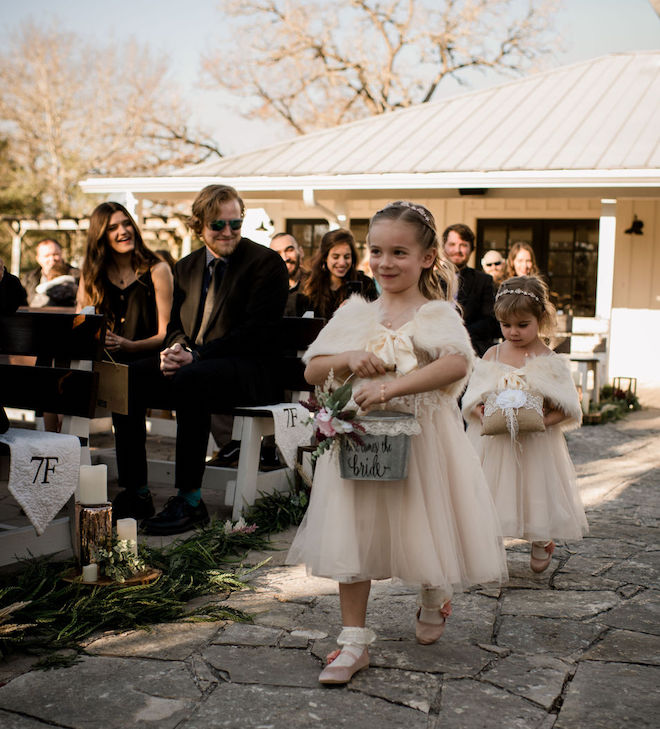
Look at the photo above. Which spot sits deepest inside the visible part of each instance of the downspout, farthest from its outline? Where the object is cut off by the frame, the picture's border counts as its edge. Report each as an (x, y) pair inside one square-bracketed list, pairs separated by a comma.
[(335, 219)]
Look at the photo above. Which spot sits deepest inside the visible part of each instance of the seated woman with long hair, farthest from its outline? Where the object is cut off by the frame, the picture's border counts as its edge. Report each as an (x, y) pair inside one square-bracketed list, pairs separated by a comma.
[(122, 279), (334, 275)]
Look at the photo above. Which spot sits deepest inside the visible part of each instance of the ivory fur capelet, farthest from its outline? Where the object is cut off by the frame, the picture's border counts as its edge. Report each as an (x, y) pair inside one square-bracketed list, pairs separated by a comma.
[(436, 328), (548, 375)]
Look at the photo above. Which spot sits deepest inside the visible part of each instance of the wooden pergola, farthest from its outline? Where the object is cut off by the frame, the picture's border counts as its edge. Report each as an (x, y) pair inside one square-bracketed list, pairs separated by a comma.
[(152, 228)]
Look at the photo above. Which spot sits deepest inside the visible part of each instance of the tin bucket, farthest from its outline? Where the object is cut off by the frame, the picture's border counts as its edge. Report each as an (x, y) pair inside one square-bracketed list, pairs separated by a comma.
[(383, 455)]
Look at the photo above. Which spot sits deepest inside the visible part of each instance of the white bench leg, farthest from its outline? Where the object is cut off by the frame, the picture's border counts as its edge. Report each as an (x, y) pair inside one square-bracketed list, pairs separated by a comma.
[(250, 431), (74, 425)]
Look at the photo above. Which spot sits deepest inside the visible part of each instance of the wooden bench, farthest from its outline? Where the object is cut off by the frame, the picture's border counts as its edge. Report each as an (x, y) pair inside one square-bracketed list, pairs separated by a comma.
[(251, 425), (241, 484), (73, 342)]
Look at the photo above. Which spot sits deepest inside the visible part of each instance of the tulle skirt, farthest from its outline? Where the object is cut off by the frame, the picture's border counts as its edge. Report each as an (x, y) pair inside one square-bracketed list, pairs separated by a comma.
[(438, 527), (535, 491)]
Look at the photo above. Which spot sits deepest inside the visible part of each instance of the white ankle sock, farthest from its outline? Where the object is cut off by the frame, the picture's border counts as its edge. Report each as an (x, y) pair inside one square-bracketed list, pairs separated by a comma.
[(353, 641), (431, 615)]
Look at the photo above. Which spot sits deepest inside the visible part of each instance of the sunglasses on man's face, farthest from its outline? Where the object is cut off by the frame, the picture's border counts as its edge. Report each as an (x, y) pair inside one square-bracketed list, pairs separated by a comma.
[(218, 225), (494, 263)]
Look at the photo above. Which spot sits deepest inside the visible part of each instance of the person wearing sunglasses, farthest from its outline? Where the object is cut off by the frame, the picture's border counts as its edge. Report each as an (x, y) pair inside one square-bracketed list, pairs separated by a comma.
[(494, 265), (221, 348)]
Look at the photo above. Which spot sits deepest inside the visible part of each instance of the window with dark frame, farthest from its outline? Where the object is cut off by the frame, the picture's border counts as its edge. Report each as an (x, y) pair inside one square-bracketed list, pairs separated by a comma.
[(566, 254), (308, 232)]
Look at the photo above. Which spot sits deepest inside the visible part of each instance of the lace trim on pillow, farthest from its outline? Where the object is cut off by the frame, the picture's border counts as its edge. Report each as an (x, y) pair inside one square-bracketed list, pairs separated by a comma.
[(509, 401)]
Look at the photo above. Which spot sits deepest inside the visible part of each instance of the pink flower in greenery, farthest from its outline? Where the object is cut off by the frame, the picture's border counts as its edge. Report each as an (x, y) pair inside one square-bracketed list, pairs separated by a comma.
[(324, 423)]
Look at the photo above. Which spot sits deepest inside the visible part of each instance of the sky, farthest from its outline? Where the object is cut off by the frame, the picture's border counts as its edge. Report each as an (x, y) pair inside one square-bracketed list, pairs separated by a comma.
[(183, 30)]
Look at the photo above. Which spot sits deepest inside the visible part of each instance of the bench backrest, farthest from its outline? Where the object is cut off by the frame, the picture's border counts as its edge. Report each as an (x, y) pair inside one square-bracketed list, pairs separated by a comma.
[(297, 334), (49, 336), (53, 335)]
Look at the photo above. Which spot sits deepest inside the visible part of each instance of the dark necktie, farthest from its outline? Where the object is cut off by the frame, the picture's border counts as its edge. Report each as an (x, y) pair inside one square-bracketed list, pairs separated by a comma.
[(215, 271)]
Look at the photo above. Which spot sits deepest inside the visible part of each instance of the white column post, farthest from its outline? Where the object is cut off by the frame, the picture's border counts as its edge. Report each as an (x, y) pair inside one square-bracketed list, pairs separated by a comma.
[(605, 274), (16, 240), (606, 240)]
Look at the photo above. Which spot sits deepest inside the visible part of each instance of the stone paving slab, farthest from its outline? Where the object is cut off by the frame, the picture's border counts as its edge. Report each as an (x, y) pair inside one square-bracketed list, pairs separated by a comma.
[(641, 613), (469, 704), (264, 666), (417, 690), (235, 706), (447, 657), (537, 678), (611, 695), (561, 638), (626, 646), (244, 634), (170, 642), (110, 692), (576, 647), (15, 721), (569, 604)]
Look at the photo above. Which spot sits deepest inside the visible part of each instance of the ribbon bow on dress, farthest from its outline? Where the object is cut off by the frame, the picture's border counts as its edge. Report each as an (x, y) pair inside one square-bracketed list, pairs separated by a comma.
[(395, 348)]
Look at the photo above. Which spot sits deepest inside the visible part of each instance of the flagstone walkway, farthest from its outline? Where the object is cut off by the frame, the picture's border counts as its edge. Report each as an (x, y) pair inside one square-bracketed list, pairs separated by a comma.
[(575, 648)]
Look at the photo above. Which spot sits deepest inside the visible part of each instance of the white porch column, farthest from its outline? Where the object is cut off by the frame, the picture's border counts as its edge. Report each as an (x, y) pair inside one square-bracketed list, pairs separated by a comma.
[(605, 276), (16, 239), (129, 201), (606, 239)]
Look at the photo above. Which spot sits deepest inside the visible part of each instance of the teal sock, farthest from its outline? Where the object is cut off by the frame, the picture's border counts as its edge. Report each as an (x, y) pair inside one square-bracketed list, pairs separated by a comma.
[(192, 497), (143, 491)]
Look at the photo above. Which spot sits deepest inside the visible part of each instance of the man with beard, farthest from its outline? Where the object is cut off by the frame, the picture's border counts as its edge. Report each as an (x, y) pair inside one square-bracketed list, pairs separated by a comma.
[(221, 350), (476, 293), (292, 254)]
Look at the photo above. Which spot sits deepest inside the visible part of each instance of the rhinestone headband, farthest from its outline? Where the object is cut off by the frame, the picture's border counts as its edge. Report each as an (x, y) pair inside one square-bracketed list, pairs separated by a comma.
[(518, 291), (419, 209)]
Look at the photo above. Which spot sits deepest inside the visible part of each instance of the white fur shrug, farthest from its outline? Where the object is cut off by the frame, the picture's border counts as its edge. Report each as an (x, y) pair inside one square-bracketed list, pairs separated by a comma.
[(549, 375), (436, 329)]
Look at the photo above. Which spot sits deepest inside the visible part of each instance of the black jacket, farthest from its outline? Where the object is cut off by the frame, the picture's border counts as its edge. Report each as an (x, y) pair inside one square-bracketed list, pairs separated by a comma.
[(476, 297), (248, 306), (12, 294)]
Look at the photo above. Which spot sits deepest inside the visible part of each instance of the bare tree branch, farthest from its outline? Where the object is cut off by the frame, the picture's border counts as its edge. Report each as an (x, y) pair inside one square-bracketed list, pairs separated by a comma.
[(70, 109), (312, 65)]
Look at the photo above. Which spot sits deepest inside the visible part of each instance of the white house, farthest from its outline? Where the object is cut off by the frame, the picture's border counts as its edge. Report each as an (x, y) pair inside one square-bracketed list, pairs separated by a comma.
[(568, 159)]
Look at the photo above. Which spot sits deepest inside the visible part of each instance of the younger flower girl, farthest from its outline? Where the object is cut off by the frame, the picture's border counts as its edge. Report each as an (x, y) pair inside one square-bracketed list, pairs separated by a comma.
[(531, 475)]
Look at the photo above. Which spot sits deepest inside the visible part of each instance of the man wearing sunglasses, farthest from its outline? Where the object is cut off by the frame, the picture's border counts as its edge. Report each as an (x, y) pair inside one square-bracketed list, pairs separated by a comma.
[(494, 265), (221, 348)]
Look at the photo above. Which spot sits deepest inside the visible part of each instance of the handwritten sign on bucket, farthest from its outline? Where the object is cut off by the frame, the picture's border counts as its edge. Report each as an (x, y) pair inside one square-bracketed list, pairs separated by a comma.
[(381, 458)]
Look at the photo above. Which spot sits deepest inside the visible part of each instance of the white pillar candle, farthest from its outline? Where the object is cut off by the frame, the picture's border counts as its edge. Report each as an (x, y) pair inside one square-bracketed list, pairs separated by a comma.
[(90, 573), (93, 485), (127, 529)]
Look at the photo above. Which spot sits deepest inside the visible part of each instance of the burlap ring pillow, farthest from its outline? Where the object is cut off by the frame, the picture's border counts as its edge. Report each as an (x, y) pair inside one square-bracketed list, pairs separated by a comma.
[(512, 411)]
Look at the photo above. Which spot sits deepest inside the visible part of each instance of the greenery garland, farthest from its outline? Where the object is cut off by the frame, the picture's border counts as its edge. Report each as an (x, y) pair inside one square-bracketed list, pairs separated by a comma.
[(41, 613)]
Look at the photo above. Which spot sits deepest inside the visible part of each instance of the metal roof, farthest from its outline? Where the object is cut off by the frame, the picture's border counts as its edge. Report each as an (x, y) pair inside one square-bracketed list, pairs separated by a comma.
[(602, 114)]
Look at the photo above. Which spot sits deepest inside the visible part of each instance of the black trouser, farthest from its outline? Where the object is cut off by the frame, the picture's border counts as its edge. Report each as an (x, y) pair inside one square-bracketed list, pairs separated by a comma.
[(195, 391)]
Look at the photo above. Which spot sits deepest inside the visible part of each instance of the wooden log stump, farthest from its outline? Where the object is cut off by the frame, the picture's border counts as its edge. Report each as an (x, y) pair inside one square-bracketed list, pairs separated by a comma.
[(93, 529)]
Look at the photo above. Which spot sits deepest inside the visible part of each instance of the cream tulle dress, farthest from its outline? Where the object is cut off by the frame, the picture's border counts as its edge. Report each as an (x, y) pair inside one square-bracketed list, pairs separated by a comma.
[(438, 527), (533, 484)]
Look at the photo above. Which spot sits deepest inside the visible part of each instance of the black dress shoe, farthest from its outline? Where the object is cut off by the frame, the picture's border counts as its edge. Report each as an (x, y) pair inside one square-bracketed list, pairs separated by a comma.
[(130, 504), (268, 459), (227, 456), (177, 517)]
